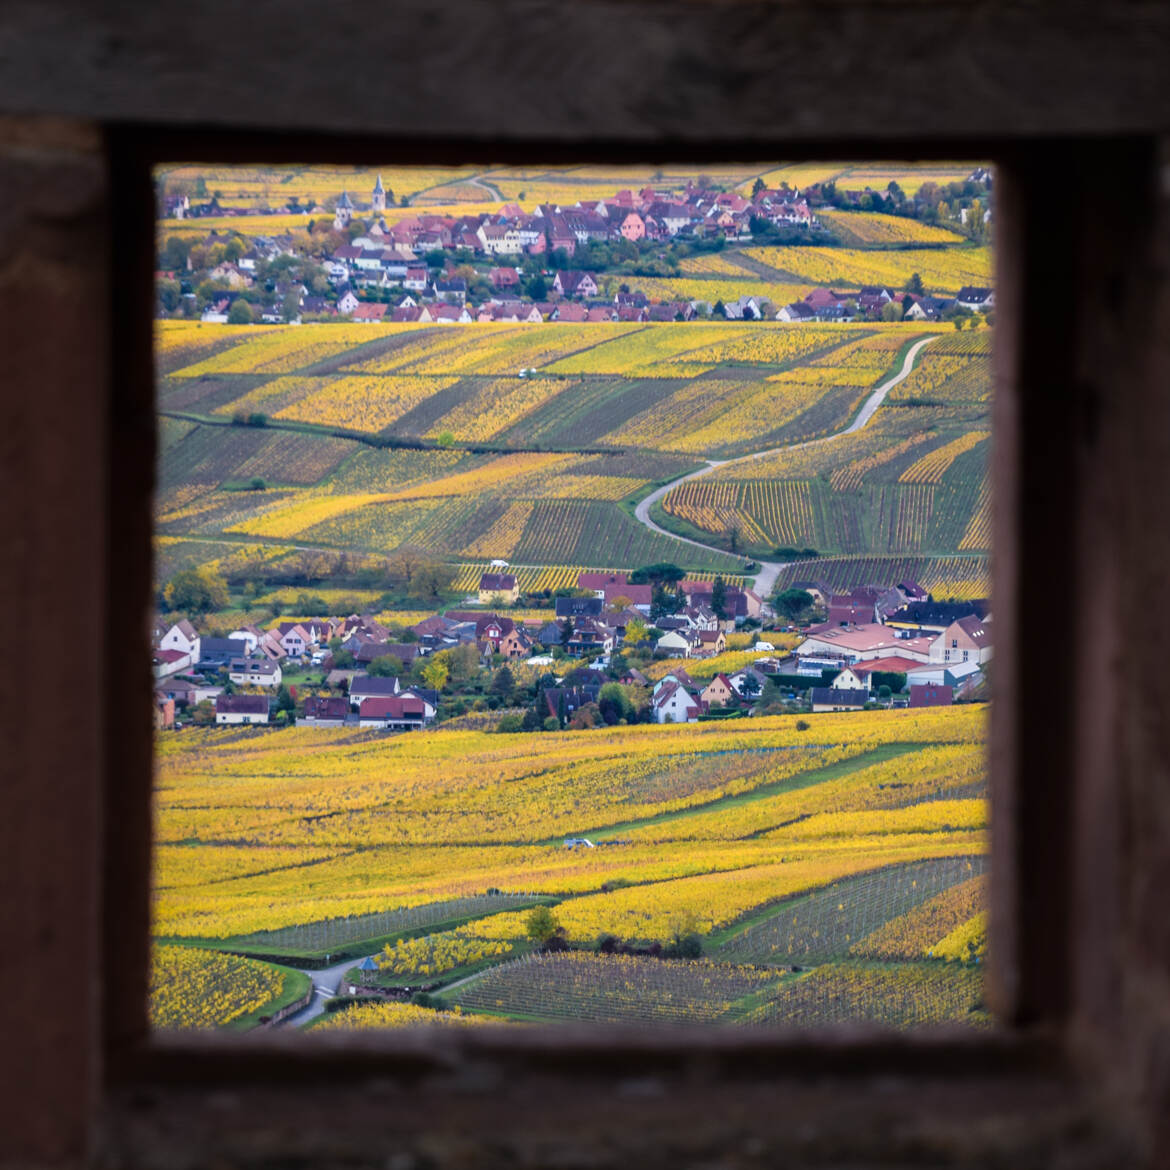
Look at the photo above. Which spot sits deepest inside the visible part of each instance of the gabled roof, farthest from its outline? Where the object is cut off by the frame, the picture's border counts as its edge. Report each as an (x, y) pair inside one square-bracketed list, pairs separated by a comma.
[(372, 685), (839, 697), (241, 704), (326, 708)]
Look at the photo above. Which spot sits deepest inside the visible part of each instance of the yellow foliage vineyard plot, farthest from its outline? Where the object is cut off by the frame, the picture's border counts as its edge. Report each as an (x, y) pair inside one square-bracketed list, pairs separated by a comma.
[(978, 531), (240, 184), (536, 578), (942, 271), (712, 900), (726, 288), (966, 943), (714, 264), (174, 340), (191, 988), (909, 176), (635, 349), (799, 175), (395, 469), (362, 403), (363, 1016), (284, 349), (849, 477), (710, 412), (922, 775), (772, 343), (764, 511), (914, 934), (291, 517), (864, 227), (270, 397), (435, 953), (500, 539), (496, 405), (933, 465), (331, 800), (522, 474)]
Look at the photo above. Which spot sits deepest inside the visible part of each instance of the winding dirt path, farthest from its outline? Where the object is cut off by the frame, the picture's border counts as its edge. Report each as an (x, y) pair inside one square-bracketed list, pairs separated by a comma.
[(765, 579)]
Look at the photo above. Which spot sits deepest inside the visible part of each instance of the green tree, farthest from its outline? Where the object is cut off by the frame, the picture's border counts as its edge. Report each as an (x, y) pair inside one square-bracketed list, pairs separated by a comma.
[(503, 683), (914, 285), (537, 288), (892, 311), (793, 603), (541, 925), (758, 186), (196, 591), (719, 598), (567, 632), (385, 666), (661, 571), (240, 313)]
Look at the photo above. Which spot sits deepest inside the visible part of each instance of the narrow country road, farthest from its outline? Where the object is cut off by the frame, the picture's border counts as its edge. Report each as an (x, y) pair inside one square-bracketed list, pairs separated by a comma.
[(765, 579), (325, 984)]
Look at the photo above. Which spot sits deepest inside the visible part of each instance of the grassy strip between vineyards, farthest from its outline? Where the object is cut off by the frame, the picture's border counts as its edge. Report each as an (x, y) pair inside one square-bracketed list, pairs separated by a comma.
[(357, 948), (877, 755), (296, 984)]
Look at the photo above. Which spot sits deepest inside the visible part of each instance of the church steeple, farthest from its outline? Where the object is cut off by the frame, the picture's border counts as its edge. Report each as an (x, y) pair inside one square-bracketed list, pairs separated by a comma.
[(379, 202), (344, 212)]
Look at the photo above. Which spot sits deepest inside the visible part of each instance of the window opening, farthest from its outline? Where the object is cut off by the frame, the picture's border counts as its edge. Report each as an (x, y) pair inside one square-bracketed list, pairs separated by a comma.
[(434, 443)]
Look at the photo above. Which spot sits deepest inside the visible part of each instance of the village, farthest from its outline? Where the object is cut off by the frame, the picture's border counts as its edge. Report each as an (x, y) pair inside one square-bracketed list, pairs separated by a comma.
[(806, 650), (568, 264)]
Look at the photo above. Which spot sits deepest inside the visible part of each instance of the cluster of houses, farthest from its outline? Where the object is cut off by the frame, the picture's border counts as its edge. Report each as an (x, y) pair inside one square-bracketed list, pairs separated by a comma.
[(823, 304), (870, 637), (391, 256)]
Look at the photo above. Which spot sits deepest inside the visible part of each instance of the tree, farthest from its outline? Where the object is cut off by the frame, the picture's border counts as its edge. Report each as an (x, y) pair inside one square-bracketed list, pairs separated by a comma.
[(503, 683), (636, 632), (664, 601), (892, 311), (434, 673), (385, 666), (660, 571), (567, 632), (719, 598), (758, 186), (914, 285), (541, 924), (537, 288), (793, 603), (511, 724), (197, 591), (613, 704), (240, 313)]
